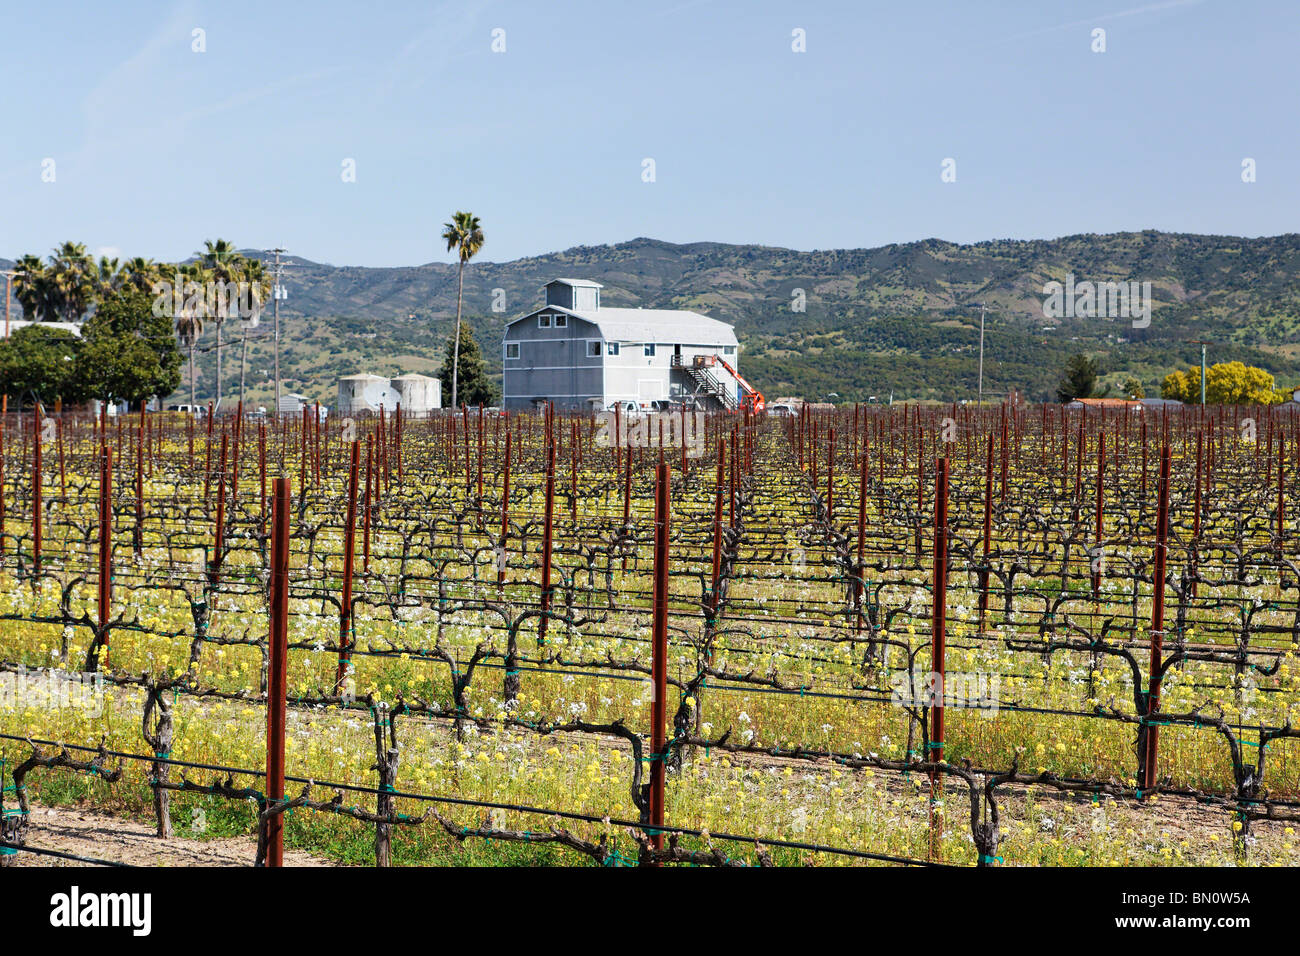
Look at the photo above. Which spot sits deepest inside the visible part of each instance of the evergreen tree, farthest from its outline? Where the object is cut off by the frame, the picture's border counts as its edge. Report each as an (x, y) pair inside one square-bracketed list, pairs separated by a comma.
[(1078, 380), (474, 387)]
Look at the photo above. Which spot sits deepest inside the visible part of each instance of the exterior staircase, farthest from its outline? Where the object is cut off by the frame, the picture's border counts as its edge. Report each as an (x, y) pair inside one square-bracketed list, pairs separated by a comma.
[(707, 385)]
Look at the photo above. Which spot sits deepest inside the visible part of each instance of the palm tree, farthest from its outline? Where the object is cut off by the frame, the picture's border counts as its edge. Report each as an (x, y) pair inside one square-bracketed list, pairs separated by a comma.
[(72, 275), (109, 276), (463, 234), (141, 273), (189, 318), (225, 264), (32, 288), (260, 285)]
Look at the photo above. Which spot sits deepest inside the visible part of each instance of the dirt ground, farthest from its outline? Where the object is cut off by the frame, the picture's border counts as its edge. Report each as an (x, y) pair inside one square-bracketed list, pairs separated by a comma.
[(103, 837)]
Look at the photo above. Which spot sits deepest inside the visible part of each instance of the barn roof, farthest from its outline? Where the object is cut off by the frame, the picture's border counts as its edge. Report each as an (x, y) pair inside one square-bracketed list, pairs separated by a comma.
[(659, 326)]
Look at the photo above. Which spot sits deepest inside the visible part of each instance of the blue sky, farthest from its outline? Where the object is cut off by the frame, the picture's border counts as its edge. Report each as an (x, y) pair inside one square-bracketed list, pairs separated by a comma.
[(157, 147)]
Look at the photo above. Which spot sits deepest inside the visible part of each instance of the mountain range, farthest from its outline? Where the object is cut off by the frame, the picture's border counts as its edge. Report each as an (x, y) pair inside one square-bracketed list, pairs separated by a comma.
[(848, 324)]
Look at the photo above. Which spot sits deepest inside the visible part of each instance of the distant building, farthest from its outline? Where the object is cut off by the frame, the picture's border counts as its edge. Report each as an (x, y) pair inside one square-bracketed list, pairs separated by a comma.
[(291, 403), (1095, 404), (580, 355), (367, 394)]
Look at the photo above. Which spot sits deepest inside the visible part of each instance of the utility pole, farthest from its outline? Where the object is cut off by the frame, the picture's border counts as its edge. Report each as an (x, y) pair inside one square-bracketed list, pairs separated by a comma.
[(1202, 343), (277, 295), (1202, 374), (981, 384)]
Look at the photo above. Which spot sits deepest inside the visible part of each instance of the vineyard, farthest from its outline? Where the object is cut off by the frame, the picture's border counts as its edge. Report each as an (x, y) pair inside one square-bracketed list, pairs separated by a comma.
[(916, 635)]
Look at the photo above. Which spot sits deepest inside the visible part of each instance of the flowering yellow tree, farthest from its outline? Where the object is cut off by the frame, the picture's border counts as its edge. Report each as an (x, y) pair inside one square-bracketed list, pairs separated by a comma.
[(1226, 383)]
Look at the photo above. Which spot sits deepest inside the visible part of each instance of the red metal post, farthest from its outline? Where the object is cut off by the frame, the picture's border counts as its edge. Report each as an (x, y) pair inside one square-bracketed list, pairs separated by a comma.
[(365, 515), (1098, 528), (302, 480), (988, 535), (236, 431), (938, 623), (830, 482), (35, 496), (219, 536), (346, 641), (1152, 750), (1281, 487), (627, 492), (63, 471), (1002, 496), (860, 577), (505, 515), (547, 529), (277, 682), (137, 537), (207, 461), (659, 664), (717, 530), (105, 542), (573, 473)]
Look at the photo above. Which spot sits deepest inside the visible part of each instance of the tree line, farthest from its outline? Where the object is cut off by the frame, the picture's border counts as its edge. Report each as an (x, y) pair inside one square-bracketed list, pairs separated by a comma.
[(134, 318), (1226, 383), (131, 317)]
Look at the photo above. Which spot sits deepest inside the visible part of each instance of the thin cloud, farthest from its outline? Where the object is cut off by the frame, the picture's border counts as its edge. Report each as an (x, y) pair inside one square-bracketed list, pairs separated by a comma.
[(1093, 21)]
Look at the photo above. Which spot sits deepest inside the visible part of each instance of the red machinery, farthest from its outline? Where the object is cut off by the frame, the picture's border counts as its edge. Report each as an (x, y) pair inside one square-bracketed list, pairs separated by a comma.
[(753, 398)]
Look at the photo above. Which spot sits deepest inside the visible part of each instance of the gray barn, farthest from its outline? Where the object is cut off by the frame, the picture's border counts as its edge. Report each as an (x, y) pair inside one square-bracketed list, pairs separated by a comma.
[(580, 355)]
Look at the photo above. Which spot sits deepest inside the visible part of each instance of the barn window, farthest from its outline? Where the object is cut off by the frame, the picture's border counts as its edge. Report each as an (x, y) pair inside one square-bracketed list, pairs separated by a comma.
[(561, 321), (613, 348), (512, 350), (728, 350), (544, 321), (649, 348), (593, 348)]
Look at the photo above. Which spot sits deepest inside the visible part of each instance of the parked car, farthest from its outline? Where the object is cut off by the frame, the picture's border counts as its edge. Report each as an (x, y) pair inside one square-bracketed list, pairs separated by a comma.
[(674, 405)]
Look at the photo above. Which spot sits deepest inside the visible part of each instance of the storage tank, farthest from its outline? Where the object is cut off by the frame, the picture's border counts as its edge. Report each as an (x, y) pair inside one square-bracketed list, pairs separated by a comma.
[(419, 394), (363, 393)]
